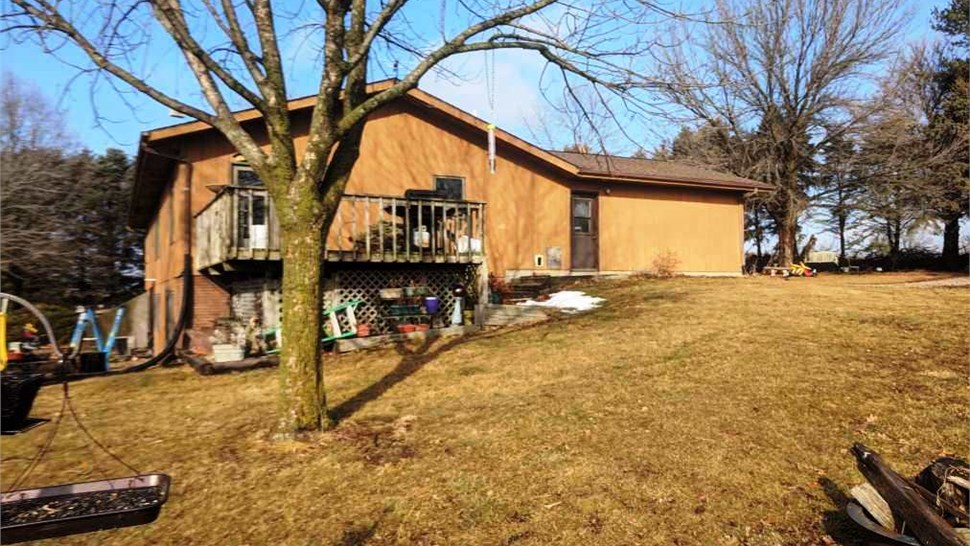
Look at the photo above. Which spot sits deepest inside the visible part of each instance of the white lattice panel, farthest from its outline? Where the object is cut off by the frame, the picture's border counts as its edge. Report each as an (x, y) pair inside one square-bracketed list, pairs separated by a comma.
[(347, 284)]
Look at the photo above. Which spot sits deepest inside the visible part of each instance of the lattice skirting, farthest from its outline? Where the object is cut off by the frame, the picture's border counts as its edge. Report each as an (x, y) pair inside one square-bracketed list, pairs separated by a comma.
[(351, 282)]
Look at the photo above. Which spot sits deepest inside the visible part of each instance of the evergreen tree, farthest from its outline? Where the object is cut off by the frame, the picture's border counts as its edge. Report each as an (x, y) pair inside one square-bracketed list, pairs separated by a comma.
[(949, 124)]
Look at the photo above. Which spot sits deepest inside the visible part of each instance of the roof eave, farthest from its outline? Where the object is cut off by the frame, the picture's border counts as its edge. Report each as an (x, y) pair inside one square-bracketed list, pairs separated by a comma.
[(136, 186), (677, 181)]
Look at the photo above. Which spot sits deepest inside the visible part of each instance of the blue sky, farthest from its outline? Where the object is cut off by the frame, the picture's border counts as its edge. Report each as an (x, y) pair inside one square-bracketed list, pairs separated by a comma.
[(518, 106), (100, 113)]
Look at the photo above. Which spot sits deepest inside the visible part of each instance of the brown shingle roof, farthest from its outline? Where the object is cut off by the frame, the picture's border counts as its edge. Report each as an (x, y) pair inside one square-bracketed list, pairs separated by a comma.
[(608, 166)]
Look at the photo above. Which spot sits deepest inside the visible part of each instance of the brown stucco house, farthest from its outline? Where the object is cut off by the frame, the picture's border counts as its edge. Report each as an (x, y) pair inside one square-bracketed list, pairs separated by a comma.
[(422, 206)]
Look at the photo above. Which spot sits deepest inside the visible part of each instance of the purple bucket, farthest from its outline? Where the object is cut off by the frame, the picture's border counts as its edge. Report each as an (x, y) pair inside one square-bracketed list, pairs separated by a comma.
[(432, 304)]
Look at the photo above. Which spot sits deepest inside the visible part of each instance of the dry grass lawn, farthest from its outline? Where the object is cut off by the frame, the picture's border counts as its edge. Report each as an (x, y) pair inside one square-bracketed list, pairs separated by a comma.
[(689, 411)]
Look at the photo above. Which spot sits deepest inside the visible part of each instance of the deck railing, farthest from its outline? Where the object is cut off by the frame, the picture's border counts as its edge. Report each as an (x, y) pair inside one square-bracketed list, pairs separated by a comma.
[(241, 224), (238, 224), (378, 228)]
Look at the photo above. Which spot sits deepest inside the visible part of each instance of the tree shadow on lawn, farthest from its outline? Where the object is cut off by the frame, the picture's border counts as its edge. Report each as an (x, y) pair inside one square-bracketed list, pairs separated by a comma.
[(412, 360), (836, 522), (358, 534)]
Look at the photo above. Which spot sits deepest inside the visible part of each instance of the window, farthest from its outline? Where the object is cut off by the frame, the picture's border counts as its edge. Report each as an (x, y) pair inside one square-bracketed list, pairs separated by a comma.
[(244, 175), (251, 222), (452, 187), (582, 215)]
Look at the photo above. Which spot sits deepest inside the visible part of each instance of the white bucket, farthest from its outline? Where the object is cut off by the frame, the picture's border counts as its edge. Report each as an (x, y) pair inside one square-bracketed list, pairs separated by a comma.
[(421, 238), (463, 246), (258, 236)]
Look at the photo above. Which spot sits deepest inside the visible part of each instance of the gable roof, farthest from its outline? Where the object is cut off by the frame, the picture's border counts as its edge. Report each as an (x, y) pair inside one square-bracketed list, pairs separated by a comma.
[(152, 170)]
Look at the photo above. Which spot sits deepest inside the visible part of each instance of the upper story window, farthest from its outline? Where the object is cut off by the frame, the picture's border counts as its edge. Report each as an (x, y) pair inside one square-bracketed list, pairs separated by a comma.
[(244, 175), (453, 187)]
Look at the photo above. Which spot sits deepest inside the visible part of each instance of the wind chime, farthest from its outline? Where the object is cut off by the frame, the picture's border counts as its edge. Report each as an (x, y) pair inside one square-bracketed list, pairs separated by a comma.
[(490, 88)]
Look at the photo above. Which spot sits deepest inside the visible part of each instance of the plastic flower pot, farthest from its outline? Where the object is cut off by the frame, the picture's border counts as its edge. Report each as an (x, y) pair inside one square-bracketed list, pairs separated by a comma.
[(432, 304)]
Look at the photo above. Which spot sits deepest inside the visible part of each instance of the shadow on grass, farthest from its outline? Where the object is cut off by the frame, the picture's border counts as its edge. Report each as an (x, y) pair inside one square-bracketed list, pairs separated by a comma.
[(415, 358), (360, 533), (412, 360), (836, 522)]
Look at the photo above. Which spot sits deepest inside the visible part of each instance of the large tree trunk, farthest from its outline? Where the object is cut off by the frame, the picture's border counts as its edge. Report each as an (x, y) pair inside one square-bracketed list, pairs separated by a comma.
[(302, 397), (951, 242), (894, 234), (842, 258), (786, 243), (758, 235)]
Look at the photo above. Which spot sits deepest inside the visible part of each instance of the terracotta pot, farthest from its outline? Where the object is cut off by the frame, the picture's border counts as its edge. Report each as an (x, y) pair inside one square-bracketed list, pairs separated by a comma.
[(422, 327), (406, 328), (363, 330)]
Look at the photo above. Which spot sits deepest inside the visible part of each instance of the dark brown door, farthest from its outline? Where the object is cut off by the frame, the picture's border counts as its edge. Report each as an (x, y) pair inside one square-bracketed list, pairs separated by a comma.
[(584, 222)]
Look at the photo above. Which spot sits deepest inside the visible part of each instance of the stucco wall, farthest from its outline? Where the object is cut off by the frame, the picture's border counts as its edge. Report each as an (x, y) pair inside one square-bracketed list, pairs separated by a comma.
[(702, 229), (406, 145), (406, 148)]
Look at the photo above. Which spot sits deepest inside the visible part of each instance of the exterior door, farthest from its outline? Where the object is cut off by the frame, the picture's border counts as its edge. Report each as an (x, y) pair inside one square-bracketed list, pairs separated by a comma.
[(584, 223)]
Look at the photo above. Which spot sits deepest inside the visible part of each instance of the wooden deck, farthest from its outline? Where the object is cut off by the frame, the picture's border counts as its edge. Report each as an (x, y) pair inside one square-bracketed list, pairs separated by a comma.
[(240, 224)]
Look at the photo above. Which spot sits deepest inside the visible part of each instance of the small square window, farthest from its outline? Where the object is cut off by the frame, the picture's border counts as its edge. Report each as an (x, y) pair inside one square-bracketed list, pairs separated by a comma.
[(452, 187), (243, 175)]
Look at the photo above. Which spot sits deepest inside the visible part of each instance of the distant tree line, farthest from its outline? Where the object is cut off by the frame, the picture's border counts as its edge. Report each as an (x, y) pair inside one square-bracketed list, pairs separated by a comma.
[(874, 170), (63, 210)]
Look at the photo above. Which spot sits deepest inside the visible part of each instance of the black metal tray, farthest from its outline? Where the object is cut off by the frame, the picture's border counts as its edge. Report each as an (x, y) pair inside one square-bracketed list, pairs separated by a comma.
[(873, 532), (89, 522)]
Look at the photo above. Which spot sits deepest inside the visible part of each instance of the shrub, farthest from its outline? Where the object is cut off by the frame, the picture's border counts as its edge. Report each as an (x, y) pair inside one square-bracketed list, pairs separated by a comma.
[(665, 264)]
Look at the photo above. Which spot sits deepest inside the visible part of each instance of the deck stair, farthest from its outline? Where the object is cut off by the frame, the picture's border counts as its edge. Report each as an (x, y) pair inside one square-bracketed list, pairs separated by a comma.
[(531, 287)]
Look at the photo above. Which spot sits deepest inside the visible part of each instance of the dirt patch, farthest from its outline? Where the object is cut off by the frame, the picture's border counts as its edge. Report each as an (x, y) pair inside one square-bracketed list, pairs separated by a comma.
[(378, 442)]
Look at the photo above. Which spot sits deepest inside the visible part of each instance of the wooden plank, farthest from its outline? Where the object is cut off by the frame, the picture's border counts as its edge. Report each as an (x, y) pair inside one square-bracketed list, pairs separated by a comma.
[(869, 498), (468, 221), (354, 233), (906, 504), (482, 226), (394, 229), (340, 233), (380, 224)]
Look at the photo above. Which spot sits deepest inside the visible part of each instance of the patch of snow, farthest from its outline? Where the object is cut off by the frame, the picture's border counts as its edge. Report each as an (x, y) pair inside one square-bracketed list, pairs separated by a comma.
[(568, 301)]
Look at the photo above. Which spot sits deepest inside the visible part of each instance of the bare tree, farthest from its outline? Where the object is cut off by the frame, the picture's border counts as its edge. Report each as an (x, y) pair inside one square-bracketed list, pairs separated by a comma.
[(898, 162), (233, 50), (35, 184), (785, 75), (839, 190)]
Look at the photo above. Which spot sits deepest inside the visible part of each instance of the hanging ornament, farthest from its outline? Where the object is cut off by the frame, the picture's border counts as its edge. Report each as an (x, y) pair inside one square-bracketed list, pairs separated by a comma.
[(491, 148)]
